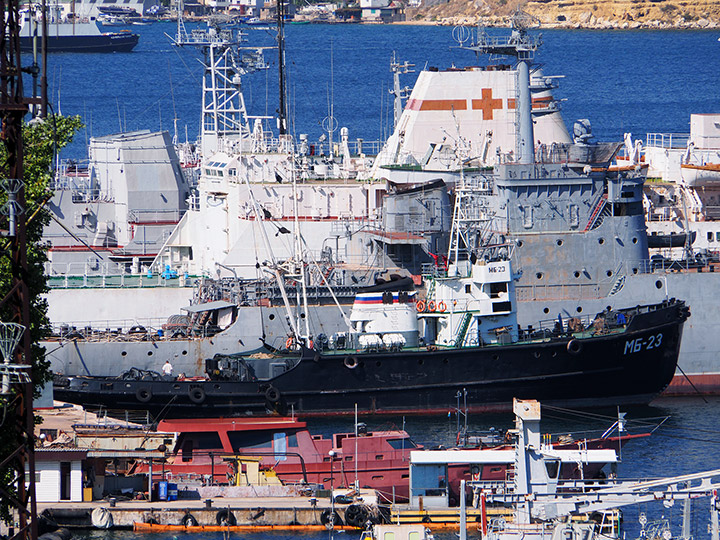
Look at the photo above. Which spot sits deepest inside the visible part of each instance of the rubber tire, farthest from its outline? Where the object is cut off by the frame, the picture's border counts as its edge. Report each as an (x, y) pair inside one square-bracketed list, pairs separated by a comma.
[(143, 394), (356, 515), (574, 346), (351, 362), (326, 515), (189, 520), (196, 395), (225, 518), (272, 394)]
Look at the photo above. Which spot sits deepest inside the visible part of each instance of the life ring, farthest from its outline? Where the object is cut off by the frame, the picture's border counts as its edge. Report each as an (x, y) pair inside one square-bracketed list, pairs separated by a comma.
[(351, 362), (441, 306), (289, 343), (196, 395), (189, 520), (431, 305), (143, 394), (420, 306), (272, 394), (225, 518), (574, 346)]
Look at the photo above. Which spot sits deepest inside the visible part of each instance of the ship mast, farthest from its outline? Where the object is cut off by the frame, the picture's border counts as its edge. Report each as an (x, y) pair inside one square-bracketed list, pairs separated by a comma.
[(399, 93), (282, 109), (520, 45)]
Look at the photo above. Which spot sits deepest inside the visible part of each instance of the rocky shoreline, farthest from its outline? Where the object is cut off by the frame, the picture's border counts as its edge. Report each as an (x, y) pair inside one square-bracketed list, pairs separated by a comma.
[(575, 14)]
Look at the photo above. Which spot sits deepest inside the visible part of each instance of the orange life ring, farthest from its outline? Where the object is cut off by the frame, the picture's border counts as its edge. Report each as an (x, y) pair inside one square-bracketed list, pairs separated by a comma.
[(420, 306), (289, 343), (431, 305), (441, 306)]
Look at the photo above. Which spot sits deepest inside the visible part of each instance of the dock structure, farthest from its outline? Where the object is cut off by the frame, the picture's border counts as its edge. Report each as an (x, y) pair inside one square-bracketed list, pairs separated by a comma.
[(238, 514)]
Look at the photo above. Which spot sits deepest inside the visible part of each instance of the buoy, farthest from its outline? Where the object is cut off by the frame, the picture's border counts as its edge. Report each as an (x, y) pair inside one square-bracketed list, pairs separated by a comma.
[(441, 306), (431, 305), (420, 306)]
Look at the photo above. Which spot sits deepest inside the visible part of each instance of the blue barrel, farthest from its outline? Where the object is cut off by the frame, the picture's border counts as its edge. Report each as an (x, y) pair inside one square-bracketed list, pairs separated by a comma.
[(163, 490), (172, 492)]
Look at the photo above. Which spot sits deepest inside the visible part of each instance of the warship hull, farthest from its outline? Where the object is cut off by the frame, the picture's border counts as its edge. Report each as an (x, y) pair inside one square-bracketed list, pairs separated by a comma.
[(629, 366)]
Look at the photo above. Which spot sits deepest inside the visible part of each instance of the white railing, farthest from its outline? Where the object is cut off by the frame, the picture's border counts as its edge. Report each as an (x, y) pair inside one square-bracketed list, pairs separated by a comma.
[(667, 140)]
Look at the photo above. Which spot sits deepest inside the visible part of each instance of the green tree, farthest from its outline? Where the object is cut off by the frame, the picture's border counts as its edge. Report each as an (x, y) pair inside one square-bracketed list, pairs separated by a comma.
[(42, 141)]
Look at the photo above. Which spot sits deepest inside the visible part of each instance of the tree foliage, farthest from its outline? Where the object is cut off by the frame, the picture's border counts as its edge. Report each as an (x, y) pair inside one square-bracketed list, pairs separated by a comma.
[(42, 141)]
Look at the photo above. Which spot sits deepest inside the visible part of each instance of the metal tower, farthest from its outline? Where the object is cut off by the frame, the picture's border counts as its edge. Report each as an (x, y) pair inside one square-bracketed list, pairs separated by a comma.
[(16, 393)]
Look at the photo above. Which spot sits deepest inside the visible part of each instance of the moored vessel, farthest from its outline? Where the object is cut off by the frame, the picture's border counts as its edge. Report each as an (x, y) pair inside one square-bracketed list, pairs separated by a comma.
[(70, 33), (396, 360)]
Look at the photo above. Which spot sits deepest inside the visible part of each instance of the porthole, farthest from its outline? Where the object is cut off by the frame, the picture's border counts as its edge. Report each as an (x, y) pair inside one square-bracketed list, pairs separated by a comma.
[(184, 353), (421, 361), (546, 310), (554, 354), (302, 315), (601, 241), (536, 354), (519, 243), (495, 357), (559, 242), (634, 240), (577, 274), (446, 361), (378, 363), (609, 273), (150, 353), (271, 316), (578, 309), (658, 284), (124, 353), (634, 270), (539, 275)]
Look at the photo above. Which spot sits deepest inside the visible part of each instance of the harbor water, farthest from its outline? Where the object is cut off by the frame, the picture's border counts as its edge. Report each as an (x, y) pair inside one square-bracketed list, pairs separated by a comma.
[(628, 81)]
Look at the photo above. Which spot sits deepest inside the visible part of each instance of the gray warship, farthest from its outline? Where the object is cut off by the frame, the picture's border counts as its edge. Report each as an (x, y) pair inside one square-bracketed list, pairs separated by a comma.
[(576, 221)]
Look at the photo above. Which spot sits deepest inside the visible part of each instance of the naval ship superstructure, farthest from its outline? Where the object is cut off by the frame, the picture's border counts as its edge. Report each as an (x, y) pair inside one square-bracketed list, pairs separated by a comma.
[(576, 220)]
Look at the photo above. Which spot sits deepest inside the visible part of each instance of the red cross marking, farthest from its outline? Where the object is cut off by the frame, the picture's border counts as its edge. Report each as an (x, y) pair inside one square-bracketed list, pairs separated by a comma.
[(487, 104)]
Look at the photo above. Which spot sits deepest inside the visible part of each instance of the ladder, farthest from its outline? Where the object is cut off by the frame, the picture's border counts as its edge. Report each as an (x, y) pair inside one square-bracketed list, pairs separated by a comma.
[(596, 212), (464, 325)]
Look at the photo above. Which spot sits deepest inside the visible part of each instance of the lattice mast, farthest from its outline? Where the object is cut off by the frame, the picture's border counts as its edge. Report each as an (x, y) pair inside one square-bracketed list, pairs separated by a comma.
[(282, 108), (13, 107)]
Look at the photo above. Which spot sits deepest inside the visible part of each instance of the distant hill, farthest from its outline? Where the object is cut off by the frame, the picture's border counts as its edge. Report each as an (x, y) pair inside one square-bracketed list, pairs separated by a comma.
[(575, 13)]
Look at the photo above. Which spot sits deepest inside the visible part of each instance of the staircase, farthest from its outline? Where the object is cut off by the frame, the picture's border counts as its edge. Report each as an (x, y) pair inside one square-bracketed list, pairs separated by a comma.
[(464, 325), (596, 212)]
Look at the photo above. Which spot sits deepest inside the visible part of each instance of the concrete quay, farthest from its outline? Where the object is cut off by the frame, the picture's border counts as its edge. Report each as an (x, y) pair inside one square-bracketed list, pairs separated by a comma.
[(233, 513)]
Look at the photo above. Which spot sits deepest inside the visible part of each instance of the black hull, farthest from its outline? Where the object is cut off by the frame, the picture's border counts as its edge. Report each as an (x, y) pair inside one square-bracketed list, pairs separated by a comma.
[(111, 42), (629, 367)]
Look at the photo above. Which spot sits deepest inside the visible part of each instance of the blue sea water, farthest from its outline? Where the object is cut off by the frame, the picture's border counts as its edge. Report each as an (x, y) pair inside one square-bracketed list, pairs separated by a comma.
[(622, 81), (636, 81)]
